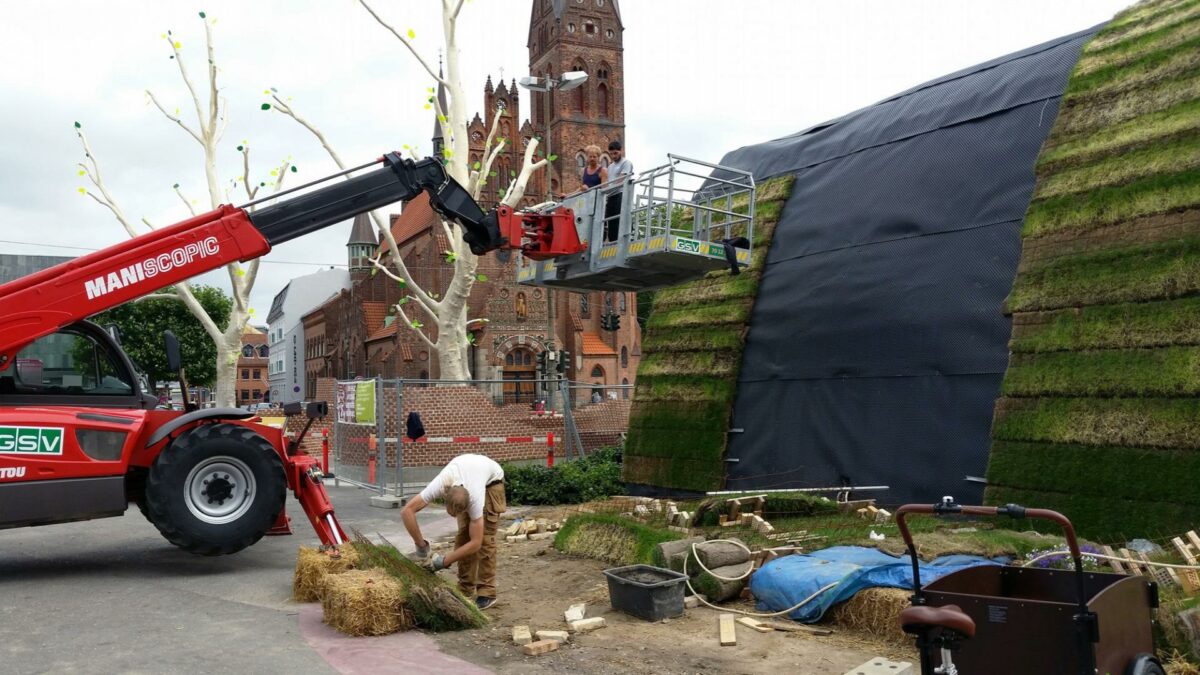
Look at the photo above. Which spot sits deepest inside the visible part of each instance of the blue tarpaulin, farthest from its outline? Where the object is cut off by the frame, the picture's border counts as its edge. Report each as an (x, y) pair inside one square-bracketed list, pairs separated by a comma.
[(785, 581)]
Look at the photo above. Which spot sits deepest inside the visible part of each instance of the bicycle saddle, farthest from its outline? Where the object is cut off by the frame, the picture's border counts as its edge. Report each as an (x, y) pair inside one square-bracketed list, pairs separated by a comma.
[(950, 617)]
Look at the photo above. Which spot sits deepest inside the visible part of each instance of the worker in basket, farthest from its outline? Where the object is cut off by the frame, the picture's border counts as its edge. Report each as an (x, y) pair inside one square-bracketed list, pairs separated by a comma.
[(473, 489)]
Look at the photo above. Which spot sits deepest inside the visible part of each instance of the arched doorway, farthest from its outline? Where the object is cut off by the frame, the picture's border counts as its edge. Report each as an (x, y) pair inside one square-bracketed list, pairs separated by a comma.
[(520, 375)]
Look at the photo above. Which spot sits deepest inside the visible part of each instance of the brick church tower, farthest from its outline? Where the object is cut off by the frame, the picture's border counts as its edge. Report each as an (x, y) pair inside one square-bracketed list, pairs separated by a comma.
[(586, 35)]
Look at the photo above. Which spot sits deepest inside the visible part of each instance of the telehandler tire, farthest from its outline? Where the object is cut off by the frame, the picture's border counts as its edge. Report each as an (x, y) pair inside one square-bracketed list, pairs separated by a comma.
[(216, 490)]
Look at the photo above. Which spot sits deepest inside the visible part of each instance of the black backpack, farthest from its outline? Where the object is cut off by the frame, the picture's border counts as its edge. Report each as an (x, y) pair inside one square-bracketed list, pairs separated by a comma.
[(413, 427)]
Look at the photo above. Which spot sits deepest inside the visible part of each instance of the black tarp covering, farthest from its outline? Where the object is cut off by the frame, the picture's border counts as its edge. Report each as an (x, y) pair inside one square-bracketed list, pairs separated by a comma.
[(878, 343)]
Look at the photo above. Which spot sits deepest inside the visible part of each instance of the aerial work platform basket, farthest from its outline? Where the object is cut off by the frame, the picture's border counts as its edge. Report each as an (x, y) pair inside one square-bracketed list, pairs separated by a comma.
[(666, 226)]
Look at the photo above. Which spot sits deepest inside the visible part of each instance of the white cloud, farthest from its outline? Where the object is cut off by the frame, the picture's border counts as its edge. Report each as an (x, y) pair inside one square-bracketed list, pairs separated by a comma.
[(702, 78)]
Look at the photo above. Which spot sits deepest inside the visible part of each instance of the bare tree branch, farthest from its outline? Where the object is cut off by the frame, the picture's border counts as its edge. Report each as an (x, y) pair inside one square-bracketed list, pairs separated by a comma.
[(517, 191), (183, 125), (405, 41)]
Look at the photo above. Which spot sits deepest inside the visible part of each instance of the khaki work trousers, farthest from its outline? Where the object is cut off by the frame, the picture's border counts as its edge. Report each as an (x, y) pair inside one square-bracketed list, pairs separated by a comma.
[(477, 573)]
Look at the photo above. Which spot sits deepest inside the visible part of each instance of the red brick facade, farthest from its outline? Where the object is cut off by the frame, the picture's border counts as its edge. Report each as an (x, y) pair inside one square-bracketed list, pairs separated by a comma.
[(252, 366), (358, 332)]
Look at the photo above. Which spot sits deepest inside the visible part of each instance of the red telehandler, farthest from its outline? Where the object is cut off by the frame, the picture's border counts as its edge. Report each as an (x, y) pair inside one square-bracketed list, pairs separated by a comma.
[(81, 439)]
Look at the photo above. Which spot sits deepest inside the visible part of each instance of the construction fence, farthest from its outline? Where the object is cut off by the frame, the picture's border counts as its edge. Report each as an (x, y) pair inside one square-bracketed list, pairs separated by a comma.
[(535, 420)]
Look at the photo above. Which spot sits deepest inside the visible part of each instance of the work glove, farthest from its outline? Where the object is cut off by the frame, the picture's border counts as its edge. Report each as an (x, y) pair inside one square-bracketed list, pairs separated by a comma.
[(437, 563), (422, 551)]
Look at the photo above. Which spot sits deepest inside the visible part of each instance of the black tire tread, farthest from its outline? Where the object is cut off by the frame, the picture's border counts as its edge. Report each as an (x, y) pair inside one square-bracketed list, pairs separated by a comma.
[(157, 488)]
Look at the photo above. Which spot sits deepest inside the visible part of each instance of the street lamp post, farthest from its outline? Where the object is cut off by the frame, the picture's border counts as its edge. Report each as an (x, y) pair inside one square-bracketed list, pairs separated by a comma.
[(546, 85)]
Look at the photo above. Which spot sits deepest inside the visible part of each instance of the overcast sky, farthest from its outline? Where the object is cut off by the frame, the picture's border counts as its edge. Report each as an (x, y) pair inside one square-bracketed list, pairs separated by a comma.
[(703, 77)]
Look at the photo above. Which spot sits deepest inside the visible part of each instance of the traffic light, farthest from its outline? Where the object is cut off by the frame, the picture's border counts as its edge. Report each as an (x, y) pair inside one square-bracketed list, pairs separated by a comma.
[(564, 358), (610, 321), (541, 361)]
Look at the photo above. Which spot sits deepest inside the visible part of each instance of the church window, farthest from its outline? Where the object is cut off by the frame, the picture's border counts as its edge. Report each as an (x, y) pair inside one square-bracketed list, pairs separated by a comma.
[(624, 307), (581, 160), (508, 360), (589, 28), (599, 3), (585, 308), (609, 33), (571, 26), (597, 371), (577, 100), (625, 357), (602, 100)]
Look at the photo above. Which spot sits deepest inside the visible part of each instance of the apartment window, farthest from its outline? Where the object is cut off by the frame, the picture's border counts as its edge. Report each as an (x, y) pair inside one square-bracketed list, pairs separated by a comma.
[(245, 394), (245, 373), (257, 373)]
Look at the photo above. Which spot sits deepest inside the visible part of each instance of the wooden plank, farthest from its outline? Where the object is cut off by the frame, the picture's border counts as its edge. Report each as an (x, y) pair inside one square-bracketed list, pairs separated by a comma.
[(754, 624), (540, 647), (1190, 579), (727, 630), (1194, 539), (1116, 565), (1131, 561), (793, 627)]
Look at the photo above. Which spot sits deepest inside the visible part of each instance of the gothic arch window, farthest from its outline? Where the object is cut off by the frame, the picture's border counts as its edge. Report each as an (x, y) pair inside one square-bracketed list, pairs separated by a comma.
[(624, 357), (610, 33), (624, 304), (263, 351), (571, 26), (248, 351), (585, 309), (501, 104), (625, 387), (578, 99), (581, 160), (508, 360), (604, 161), (597, 371), (602, 100)]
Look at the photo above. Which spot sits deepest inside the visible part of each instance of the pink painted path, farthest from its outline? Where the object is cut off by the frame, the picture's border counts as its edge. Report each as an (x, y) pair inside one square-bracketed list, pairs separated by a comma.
[(404, 652)]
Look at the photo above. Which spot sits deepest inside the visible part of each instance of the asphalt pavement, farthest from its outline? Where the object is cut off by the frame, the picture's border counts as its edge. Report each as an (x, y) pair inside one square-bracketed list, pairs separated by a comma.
[(112, 596)]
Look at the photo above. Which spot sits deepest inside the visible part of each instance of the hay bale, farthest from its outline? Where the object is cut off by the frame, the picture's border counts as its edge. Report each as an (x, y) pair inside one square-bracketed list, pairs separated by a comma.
[(430, 601), (365, 602), (875, 611), (312, 566)]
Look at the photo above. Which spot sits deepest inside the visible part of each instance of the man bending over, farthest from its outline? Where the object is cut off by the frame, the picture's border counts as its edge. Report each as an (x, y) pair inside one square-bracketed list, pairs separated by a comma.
[(473, 489)]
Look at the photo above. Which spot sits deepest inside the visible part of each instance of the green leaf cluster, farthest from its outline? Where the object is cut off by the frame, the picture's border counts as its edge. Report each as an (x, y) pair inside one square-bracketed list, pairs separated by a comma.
[(142, 323)]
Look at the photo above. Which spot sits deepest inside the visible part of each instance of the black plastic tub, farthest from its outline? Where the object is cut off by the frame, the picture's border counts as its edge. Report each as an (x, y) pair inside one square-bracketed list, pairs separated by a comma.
[(647, 592)]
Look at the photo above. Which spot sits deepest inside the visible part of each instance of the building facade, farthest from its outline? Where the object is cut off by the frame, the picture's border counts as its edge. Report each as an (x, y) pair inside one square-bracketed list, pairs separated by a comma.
[(252, 384), (285, 329)]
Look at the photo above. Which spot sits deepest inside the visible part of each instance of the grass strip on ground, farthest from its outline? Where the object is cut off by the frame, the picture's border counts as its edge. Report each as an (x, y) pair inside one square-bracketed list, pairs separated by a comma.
[(1121, 326), (1161, 37), (1102, 518), (694, 338), (1144, 474), (1141, 422), (1153, 271), (1172, 156), (612, 538), (1140, 20), (1175, 61), (1154, 194), (1176, 120), (1173, 371), (1083, 118)]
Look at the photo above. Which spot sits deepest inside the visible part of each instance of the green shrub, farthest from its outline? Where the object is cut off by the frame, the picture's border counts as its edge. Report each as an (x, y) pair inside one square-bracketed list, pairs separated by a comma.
[(594, 476)]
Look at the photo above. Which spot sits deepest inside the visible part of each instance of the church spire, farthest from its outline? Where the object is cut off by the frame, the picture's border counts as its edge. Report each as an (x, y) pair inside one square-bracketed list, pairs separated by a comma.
[(438, 140)]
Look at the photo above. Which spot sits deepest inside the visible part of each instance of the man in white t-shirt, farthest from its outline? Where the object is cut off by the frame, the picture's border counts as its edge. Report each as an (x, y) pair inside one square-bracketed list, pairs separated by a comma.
[(473, 488)]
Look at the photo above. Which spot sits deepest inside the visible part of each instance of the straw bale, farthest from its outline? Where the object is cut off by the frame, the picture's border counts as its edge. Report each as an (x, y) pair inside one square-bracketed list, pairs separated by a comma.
[(312, 566), (875, 611), (365, 602)]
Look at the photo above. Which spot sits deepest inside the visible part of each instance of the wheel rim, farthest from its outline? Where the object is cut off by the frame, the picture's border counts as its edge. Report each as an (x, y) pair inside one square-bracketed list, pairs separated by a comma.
[(219, 490)]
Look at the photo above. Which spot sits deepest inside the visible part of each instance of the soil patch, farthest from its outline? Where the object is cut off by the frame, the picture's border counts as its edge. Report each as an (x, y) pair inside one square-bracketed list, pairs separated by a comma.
[(536, 584)]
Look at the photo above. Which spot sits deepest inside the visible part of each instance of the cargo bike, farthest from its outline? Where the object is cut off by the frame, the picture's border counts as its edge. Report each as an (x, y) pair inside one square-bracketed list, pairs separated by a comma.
[(1001, 619)]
